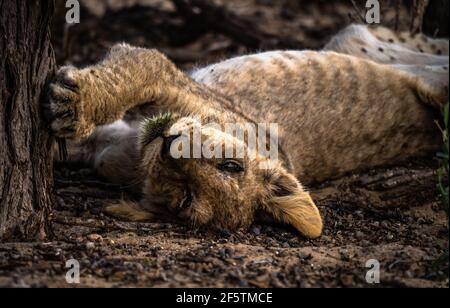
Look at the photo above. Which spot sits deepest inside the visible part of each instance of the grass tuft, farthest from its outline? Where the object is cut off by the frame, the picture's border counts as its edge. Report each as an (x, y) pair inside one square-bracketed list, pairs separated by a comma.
[(153, 127)]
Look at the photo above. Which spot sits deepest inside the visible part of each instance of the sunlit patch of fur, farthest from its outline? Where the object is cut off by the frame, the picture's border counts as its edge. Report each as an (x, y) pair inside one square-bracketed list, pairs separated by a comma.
[(127, 210)]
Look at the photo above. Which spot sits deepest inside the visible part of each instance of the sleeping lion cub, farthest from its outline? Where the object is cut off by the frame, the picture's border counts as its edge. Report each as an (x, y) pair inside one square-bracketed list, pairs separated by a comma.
[(369, 98)]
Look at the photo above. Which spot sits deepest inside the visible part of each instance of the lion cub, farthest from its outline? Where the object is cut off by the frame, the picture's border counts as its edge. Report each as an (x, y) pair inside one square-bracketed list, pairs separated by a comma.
[(368, 99)]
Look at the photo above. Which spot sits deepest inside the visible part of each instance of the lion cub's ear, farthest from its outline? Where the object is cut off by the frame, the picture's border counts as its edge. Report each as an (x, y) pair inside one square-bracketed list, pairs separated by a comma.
[(288, 202)]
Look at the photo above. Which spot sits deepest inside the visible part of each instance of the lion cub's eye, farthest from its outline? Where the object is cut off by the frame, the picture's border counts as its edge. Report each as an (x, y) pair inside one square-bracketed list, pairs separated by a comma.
[(230, 166)]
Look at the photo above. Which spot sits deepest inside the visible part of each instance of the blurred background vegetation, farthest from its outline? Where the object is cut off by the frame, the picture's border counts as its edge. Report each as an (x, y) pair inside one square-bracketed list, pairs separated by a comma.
[(195, 32)]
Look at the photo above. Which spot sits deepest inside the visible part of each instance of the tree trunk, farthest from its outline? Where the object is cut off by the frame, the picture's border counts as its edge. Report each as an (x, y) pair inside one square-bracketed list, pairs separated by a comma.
[(436, 18), (26, 63)]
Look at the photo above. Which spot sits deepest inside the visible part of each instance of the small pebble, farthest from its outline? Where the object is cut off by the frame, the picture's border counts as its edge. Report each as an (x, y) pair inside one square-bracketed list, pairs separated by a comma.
[(359, 235), (94, 237), (256, 231), (385, 224), (269, 229), (139, 267)]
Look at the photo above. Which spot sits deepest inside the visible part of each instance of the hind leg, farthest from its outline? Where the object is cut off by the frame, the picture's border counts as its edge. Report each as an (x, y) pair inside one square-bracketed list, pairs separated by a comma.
[(415, 42), (384, 46), (112, 151)]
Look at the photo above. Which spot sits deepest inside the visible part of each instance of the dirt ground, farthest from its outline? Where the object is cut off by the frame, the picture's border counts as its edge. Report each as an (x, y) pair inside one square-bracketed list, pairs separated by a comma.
[(391, 214)]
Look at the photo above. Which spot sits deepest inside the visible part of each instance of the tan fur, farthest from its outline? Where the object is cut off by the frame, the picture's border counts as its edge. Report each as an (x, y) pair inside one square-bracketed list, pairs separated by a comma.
[(130, 211), (338, 112)]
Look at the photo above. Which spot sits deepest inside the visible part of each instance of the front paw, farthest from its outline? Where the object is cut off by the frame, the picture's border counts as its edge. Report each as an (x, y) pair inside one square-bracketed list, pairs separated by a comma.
[(64, 107)]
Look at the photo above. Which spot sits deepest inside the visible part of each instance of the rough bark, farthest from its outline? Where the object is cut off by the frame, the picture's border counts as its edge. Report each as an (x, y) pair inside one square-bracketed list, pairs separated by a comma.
[(26, 62)]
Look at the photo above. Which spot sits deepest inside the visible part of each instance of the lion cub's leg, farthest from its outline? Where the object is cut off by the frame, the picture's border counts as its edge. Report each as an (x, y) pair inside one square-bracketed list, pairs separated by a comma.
[(413, 55), (417, 42), (385, 46), (80, 99)]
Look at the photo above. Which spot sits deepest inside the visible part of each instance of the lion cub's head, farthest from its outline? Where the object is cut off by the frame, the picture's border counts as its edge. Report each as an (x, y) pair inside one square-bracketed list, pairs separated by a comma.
[(207, 176)]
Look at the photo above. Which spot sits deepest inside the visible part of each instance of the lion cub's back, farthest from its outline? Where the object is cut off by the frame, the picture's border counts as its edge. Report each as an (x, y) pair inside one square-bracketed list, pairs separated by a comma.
[(259, 82), (337, 113)]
